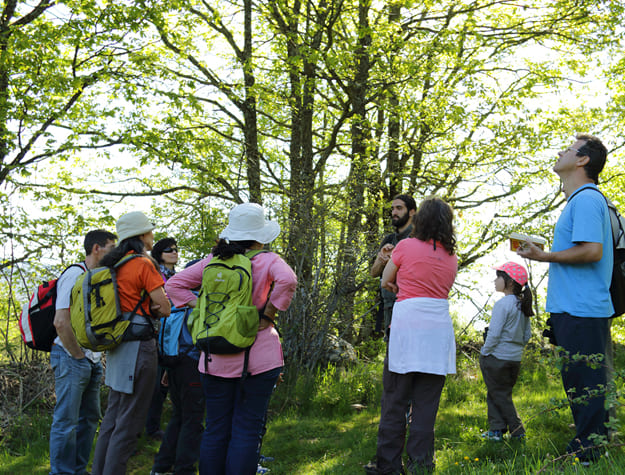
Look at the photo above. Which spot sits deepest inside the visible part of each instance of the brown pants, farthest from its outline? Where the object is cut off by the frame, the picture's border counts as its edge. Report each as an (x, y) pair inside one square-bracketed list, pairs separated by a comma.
[(125, 416), (423, 392), (500, 376)]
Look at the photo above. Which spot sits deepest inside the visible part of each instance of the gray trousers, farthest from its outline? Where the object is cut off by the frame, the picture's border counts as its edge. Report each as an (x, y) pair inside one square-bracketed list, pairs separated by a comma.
[(125, 416), (500, 376), (423, 392)]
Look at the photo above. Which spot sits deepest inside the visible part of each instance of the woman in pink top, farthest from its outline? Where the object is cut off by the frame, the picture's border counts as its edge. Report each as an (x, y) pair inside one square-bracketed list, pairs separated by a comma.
[(236, 408), (421, 348)]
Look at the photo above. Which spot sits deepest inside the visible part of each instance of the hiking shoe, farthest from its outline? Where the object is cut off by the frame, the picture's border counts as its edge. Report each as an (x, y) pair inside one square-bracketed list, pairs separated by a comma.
[(493, 435), (371, 468)]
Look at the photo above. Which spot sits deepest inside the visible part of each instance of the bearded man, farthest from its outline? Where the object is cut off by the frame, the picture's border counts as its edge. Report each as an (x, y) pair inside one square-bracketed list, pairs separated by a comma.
[(403, 208)]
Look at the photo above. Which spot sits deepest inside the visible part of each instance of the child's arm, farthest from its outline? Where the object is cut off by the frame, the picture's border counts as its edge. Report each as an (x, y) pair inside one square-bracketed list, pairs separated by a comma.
[(495, 327), (528, 330)]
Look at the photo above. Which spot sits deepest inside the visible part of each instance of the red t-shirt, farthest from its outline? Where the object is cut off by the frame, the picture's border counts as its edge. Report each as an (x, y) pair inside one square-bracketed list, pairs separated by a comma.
[(423, 271), (133, 277)]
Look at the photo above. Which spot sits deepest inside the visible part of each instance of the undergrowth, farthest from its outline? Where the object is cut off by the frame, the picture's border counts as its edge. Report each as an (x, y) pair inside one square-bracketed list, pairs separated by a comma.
[(325, 422)]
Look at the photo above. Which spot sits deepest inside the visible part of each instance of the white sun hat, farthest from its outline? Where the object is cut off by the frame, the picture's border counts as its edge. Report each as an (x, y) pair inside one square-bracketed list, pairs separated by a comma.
[(247, 223), (132, 224)]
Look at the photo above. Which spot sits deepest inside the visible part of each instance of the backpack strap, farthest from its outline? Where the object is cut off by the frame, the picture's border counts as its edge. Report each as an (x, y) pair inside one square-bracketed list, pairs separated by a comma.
[(251, 254), (246, 359), (615, 222), (82, 265)]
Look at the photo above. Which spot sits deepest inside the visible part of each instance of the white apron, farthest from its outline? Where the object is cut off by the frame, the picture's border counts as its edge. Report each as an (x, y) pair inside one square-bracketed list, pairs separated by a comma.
[(422, 337)]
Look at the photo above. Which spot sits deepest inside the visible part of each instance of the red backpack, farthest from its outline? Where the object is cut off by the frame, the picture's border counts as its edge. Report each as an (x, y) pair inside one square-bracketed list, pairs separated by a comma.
[(37, 317)]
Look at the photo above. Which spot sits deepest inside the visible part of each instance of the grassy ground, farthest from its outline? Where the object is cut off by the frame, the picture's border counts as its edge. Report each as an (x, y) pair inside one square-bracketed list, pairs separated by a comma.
[(313, 428), (323, 442)]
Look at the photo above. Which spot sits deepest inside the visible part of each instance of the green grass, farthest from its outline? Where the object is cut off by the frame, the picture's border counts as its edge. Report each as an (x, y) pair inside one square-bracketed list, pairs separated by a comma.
[(309, 437), (313, 428)]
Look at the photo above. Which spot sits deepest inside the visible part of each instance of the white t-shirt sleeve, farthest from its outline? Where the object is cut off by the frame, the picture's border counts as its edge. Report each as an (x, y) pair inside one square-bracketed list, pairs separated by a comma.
[(64, 286)]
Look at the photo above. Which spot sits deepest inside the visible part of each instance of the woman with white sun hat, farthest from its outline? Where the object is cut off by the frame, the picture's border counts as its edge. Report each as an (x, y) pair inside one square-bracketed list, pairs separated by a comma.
[(236, 407)]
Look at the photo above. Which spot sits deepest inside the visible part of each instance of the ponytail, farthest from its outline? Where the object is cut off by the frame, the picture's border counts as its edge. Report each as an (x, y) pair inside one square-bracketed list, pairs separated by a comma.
[(526, 301), (226, 249), (131, 244)]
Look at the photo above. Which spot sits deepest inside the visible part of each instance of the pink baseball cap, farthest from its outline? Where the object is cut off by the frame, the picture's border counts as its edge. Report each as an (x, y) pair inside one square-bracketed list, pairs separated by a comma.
[(516, 272)]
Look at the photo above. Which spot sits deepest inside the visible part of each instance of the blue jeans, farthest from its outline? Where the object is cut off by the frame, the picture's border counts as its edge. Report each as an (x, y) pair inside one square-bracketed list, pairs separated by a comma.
[(235, 418), (76, 414)]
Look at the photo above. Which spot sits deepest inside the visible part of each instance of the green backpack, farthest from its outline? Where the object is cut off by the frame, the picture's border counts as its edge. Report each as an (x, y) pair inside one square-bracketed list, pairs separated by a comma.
[(225, 320), (97, 319)]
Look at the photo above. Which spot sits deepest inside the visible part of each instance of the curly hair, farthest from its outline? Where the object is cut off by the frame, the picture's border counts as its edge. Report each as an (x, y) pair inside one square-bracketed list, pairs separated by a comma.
[(434, 221)]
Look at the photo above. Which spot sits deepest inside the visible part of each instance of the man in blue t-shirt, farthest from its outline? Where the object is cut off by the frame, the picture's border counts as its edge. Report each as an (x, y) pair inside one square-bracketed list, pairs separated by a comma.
[(578, 293)]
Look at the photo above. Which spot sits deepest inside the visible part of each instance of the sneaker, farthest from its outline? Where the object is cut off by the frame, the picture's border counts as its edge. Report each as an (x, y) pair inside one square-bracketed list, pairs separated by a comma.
[(152, 472), (261, 470), (493, 435), (517, 437), (371, 468)]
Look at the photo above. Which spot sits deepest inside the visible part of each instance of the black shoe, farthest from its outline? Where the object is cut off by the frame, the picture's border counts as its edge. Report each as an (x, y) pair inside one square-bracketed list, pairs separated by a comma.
[(372, 469)]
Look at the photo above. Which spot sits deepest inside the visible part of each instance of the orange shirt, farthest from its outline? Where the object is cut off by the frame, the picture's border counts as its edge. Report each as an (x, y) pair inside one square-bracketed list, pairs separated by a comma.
[(133, 277)]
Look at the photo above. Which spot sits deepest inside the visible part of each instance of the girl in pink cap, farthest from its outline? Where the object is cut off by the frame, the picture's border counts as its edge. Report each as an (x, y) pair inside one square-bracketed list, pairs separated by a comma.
[(500, 359)]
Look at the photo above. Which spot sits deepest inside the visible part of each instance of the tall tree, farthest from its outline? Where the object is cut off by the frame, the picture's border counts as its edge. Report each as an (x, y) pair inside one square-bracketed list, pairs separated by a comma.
[(56, 61)]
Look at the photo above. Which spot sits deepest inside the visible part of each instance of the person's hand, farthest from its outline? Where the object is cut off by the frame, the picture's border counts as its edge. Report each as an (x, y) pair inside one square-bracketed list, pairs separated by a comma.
[(529, 250), (392, 287), (384, 254), (264, 323), (165, 379)]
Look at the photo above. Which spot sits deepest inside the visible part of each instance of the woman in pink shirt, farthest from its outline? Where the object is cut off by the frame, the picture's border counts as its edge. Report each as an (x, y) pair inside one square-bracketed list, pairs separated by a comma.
[(421, 347), (235, 407)]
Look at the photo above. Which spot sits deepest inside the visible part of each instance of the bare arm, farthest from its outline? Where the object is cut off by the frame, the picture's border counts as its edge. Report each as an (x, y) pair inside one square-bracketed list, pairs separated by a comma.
[(381, 259), (63, 325), (270, 311), (580, 253), (388, 277), (160, 302)]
